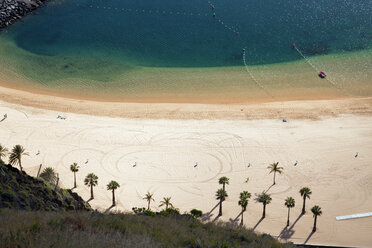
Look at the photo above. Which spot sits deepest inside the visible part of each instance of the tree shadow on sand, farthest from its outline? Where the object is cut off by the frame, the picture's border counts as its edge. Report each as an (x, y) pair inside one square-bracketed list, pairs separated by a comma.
[(234, 221), (108, 210), (215, 219), (208, 216), (255, 226), (308, 238), (269, 188), (90, 199), (288, 232)]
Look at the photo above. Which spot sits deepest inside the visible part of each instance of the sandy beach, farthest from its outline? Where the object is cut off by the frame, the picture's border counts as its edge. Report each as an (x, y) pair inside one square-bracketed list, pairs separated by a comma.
[(166, 140)]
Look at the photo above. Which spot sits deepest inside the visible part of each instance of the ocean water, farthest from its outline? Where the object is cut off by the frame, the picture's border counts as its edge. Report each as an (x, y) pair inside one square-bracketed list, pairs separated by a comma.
[(102, 40)]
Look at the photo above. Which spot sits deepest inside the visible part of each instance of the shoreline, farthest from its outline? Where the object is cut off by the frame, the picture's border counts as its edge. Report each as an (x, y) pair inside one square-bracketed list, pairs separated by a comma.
[(304, 109), (290, 81)]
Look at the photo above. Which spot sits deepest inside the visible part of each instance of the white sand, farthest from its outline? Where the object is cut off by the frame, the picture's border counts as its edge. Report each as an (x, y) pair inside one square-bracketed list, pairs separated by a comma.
[(166, 151)]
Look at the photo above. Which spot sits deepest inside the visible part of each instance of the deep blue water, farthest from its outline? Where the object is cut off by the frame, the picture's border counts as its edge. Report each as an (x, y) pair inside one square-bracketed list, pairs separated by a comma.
[(140, 36)]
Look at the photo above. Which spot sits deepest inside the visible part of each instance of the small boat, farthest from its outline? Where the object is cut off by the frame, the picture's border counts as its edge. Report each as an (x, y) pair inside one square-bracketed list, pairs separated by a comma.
[(322, 75)]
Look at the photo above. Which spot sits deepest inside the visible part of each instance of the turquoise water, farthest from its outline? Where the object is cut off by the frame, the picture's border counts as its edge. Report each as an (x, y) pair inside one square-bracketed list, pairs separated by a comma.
[(184, 33)]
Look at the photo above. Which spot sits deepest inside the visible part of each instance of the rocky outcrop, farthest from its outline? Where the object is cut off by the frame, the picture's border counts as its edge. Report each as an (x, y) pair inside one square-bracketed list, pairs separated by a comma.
[(21, 191), (13, 10)]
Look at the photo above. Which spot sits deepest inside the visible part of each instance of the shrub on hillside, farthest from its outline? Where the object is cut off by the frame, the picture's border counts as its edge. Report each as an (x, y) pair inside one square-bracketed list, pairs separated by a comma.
[(196, 213), (49, 175)]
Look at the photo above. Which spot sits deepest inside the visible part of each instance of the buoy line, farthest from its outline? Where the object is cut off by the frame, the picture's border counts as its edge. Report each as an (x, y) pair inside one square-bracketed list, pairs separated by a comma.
[(315, 68), (146, 11), (244, 52), (230, 28), (249, 72)]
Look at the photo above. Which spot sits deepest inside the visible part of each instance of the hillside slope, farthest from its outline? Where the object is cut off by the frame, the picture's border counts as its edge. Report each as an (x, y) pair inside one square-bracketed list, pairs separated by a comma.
[(91, 229), (21, 191)]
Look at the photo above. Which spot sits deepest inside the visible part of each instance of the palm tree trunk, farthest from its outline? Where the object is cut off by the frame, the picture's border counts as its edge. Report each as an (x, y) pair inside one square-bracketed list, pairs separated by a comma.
[(220, 212), (303, 206), (264, 211), (274, 177), (113, 197), (91, 192), (20, 164), (288, 217), (148, 205), (314, 228), (241, 221), (223, 187), (74, 179), (166, 206)]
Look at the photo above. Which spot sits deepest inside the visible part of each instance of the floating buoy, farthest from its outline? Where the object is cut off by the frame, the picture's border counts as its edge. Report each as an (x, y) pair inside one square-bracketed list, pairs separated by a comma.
[(322, 75), (212, 6), (294, 45), (214, 14)]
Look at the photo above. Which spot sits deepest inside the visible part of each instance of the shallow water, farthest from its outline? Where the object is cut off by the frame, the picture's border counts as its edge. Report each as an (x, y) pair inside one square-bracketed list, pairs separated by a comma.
[(104, 41)]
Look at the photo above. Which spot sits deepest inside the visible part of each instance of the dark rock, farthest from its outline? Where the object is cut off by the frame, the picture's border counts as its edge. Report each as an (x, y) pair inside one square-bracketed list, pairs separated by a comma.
[(12, 10)]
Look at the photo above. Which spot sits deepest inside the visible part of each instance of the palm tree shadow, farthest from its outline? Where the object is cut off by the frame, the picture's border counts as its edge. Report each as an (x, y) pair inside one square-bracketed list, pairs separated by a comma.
[(207, 216), (286, 233), (255, 226), (234, 221), (269, 188), (237, 217), (90, 199), (311, 234), (217, 217), (108, 210), (294, 223), (73, 188)]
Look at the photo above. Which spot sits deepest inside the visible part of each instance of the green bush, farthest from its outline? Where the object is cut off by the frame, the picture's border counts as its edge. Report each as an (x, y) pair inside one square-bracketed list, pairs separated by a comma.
[(148, 212), (8, 196), (196, 213), (138, 210), (170, 211)]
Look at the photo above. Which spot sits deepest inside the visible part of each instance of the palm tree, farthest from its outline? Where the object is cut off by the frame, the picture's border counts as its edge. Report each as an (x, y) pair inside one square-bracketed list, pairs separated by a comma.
[(221, 195), (274, 167), (15, 157), (148, 197), (166, 202), (317, 211), (112, 186), (91, 180), (223, 181), (49, 175), (264, 199), (243, 202), (305, 193), (3, 151), (289, 203), (74, 168)]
